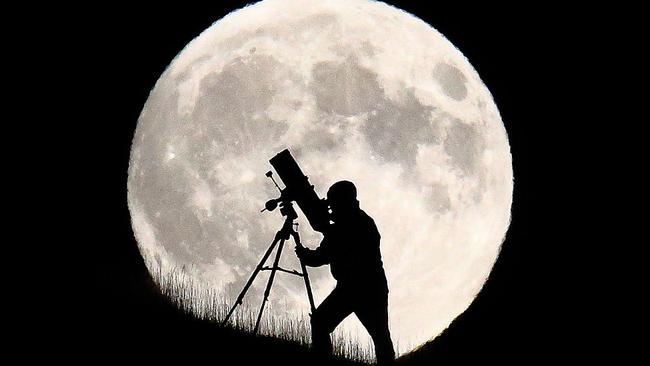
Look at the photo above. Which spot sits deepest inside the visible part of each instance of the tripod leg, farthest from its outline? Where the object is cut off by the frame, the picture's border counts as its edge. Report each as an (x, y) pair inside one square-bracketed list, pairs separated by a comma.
[(250, 280), (269, 284), (308, 286)]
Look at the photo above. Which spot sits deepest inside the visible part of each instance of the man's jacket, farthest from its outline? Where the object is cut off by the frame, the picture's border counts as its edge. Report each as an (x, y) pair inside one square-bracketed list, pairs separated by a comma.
[(351, 248)]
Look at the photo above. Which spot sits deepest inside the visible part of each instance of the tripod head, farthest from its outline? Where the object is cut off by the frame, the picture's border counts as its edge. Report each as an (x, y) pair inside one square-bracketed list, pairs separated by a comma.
[(286, 208), (284, 201)]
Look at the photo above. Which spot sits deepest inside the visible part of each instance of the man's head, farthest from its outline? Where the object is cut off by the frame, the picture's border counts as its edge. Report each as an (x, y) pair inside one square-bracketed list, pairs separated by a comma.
[(342, 198)]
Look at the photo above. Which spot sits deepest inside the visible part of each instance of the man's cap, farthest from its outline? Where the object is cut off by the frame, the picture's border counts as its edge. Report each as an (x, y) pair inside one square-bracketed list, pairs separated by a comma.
[(343, 191)]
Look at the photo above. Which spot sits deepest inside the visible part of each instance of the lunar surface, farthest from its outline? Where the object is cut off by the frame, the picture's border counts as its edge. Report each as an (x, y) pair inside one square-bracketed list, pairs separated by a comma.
[(356, 90)]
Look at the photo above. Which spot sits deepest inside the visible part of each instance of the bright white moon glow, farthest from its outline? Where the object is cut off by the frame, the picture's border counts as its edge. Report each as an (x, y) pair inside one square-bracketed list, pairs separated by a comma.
[(357, 90)]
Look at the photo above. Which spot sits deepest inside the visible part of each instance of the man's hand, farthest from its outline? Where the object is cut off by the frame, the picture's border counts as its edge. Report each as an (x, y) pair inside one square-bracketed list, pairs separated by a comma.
[(300, 251)]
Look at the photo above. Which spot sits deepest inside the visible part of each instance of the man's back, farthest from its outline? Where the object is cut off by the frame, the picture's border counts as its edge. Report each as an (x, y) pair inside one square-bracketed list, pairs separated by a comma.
[(352, 246)]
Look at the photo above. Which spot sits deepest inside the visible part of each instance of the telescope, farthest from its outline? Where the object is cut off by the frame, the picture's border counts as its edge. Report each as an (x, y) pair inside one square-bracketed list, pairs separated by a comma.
[(297, 189)]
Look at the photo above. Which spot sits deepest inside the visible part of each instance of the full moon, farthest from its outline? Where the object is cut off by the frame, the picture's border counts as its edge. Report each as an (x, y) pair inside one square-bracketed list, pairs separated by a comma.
[(356, 90)]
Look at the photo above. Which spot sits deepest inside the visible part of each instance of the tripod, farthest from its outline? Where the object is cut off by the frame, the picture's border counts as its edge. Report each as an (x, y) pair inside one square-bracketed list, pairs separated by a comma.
[(287, 210)]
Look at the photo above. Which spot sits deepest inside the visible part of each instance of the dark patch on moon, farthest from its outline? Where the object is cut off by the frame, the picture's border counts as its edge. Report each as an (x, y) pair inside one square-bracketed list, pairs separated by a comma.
[(241, 88), (325, 134), (464, 145), (396, 128), (230, 108), (451, 80), (345, 88)]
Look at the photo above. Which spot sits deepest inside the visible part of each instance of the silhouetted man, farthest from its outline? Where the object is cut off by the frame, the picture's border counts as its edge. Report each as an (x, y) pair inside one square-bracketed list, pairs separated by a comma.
[(351, 248)]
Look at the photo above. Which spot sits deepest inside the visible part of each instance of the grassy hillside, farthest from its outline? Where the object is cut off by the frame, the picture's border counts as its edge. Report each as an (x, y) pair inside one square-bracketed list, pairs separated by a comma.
[(147, 324), (210, 307)]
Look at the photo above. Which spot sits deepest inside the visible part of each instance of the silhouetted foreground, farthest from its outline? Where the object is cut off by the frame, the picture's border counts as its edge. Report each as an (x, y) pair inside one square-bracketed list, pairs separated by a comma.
[(157, 330), (127, 319)]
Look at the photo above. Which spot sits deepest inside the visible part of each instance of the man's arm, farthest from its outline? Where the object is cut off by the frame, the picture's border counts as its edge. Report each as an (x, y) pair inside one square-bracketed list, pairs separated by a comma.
[(312, 258)]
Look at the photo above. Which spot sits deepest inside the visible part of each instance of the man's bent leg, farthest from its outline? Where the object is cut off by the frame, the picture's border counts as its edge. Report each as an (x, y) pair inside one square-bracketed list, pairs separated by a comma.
[(374, 317), (329, 314)]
